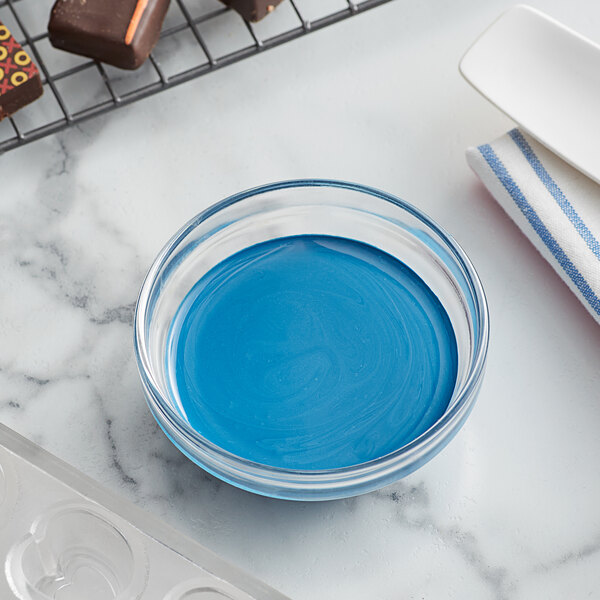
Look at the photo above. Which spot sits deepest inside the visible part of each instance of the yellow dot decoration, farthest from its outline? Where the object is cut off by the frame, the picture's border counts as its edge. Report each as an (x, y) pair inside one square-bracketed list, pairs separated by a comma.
[(1, 74), (3, 52), (18, 78), (4, 33), (22, 58)]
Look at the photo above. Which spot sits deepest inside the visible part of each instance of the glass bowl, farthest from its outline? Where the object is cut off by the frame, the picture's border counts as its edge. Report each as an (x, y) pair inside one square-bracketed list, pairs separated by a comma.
[(318, 207)]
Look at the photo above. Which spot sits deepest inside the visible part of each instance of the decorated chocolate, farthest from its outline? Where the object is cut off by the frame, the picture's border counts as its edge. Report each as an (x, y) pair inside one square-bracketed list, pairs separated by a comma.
[(118, 32), (252, 10), (20, 81)]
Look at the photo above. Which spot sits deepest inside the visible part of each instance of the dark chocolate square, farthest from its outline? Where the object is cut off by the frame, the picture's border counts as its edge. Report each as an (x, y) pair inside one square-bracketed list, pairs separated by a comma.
[(118, 32), (253, 10), (20, 81)]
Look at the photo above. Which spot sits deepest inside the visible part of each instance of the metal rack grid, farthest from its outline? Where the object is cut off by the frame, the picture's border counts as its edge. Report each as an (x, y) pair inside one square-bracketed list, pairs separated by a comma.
[(198, 36)]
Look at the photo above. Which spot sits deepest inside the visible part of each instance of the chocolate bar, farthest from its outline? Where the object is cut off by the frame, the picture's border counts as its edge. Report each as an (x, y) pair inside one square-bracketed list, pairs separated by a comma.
[(20, 81), (252, 10), (118, 32)]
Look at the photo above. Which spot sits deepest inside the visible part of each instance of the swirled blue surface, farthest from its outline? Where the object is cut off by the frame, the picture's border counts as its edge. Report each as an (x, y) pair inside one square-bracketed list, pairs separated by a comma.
[(311, 352)]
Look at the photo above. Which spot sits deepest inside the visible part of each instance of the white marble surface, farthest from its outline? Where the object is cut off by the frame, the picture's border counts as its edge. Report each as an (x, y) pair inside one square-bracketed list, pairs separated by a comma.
[(510, 510)]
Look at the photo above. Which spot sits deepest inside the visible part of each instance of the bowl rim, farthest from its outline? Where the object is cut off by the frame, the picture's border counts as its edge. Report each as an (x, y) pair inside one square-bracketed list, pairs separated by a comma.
[(255, 476)]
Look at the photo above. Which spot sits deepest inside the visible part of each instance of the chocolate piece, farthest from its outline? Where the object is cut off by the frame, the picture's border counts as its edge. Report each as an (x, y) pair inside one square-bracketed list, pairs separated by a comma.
[(20, 81), (118, 32), (253, 10)]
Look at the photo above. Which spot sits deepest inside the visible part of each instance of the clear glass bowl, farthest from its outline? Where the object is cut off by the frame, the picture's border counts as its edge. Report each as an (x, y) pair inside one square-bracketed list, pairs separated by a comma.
[(318, 207)]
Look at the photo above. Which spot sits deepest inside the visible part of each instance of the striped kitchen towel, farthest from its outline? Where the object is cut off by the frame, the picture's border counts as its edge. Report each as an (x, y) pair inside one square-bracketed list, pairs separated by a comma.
[(556, 206)]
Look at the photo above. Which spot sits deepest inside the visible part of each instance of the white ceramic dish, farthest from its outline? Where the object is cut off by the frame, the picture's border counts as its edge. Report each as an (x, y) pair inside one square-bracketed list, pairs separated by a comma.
[(544, 76)]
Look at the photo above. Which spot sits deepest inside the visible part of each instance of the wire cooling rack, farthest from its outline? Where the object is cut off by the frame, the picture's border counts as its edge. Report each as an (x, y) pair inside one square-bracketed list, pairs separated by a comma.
[(198, 36)]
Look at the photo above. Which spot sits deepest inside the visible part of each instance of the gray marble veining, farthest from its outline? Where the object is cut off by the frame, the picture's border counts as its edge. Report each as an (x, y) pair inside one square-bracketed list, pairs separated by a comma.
[(507, 511)]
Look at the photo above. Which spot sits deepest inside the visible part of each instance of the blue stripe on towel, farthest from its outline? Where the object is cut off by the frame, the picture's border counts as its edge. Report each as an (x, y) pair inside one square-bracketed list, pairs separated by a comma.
[(567, 208), (534, 220)]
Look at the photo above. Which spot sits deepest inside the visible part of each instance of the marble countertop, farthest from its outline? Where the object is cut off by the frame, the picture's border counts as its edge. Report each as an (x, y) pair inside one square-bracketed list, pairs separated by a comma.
[(509, 510)]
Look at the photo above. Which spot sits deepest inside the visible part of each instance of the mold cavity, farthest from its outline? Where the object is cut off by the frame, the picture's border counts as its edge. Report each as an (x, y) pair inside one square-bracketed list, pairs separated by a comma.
[(204, 589), (204, 594), (74, 553)]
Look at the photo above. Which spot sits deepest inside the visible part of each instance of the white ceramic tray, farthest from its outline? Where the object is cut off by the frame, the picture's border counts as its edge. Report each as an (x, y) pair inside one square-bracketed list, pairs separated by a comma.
[(544, 76)]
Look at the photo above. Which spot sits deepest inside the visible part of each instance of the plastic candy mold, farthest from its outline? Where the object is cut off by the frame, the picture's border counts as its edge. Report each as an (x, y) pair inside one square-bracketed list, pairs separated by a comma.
[(203, 589), (8, 489), (78, 552), (64, 537)]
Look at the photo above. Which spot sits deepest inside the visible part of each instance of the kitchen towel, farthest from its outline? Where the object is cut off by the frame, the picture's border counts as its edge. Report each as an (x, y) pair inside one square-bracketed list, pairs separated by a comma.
[(555, 205)]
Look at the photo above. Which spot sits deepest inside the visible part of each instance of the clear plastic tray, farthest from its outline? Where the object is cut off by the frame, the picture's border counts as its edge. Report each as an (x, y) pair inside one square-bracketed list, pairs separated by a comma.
[(64, 537)]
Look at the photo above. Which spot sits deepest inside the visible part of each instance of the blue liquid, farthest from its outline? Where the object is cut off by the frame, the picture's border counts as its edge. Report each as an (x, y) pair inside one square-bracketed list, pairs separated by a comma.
[(311, 352)]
